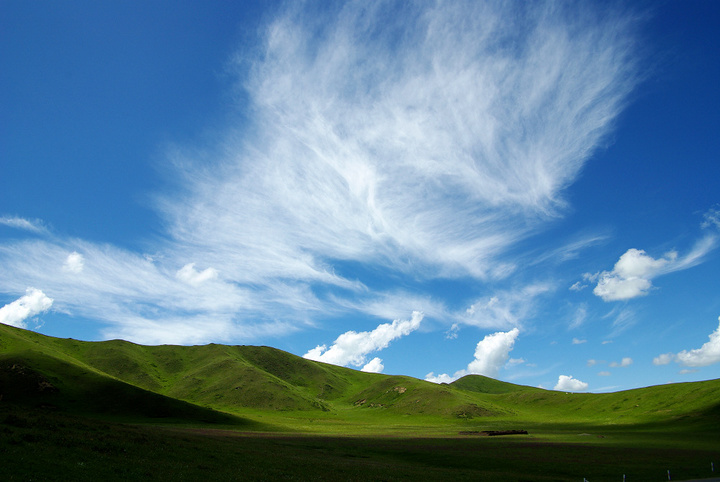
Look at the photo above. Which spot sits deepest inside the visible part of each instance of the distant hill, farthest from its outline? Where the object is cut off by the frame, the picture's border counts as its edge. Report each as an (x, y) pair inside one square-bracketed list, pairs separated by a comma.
[(219, 383)]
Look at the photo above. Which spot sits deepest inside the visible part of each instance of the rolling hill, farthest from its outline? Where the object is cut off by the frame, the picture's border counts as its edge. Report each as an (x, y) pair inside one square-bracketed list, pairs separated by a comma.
[(227, 384)]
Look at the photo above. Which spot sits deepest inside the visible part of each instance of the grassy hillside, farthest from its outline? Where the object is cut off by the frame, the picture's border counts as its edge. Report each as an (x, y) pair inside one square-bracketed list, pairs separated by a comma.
[(235, 378), (242, 380), (257, 413)]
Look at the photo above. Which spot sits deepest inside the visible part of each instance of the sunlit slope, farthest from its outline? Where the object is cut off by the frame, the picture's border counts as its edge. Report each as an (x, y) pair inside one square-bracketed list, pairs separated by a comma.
[(482, 384), (231, 378), (237, 378), (687, 402)]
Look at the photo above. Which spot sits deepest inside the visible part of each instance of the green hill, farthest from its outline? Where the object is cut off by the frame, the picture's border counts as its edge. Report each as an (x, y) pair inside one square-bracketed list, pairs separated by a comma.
[(225, 383), (115, 410)]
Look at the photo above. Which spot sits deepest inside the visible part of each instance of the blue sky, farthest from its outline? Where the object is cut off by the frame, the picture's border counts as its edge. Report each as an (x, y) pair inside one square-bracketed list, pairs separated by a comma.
[(528, 191)]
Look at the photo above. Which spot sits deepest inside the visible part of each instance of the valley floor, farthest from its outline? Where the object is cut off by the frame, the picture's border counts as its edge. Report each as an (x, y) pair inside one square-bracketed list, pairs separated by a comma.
[(41, 445)]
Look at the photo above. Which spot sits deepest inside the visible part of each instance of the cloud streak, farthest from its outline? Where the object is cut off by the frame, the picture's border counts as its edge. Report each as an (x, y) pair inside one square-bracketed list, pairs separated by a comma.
[(34, 226), (420, 141)]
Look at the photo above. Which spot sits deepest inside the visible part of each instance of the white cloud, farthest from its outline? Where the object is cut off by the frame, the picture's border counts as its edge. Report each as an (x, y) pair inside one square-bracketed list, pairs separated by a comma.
[(393, 305), (32, 304), (74, 263), (452, 333), (429, 164), (567, 383), (625, 362), (579, 317), (623, 319), (137, 298), (491, 354), (663, 359), (604, 374), (505, 309), (373, 366), (633, 273), (425, 149), (190, 275), (351, 348), (571, 251), (577, 341), (34, 226), (711, 218), (578, 286), (708, 354)]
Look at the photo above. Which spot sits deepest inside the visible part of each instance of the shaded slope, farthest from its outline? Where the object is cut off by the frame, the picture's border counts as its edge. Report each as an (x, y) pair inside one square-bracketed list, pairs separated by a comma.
[(237, 378), (33, 379)]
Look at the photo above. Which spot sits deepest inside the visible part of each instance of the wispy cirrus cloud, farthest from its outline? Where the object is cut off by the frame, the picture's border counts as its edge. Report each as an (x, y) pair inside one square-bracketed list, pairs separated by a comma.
[(421, 140), (505, 308), (34, 225)]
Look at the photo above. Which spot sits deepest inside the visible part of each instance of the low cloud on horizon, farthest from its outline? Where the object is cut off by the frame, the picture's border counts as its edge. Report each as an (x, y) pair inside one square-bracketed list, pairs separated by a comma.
[(34, 303)]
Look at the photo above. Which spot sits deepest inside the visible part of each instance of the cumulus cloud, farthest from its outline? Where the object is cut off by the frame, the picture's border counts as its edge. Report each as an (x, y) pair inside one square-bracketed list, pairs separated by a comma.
[(491, 354), (452, 333), (663, 359), (567, 383), (625, 362), (352, 348), (74, 263), (32, 304), (373, 366), (632, 275), (708, 354), (190, 275)]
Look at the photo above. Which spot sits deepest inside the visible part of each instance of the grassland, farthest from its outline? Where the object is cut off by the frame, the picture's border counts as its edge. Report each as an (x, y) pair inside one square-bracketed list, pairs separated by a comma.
[(116, 411)]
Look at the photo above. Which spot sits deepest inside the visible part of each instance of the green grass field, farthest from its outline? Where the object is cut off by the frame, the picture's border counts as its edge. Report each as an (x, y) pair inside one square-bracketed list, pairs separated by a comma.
[(113, 410)]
